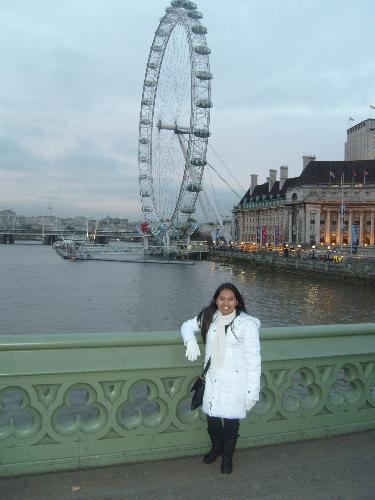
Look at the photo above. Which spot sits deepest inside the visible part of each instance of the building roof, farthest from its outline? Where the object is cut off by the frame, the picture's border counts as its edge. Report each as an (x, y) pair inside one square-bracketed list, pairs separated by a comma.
[(329, 172), (319, 172), (263, 190)]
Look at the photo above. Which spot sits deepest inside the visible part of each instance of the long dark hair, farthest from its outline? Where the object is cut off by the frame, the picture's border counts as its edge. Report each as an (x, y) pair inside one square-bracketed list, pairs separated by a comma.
[(207, 313)]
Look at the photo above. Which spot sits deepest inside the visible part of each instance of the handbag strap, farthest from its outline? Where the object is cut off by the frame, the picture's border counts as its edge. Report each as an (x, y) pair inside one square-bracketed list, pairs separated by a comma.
[(206, 368)]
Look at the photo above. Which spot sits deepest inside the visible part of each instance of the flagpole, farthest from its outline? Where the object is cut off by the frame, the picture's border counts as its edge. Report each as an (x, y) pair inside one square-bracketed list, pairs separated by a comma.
[(342, 211)]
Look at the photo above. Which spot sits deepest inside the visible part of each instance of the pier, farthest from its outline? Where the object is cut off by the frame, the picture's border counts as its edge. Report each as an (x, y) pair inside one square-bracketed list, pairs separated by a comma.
[(118, 252)]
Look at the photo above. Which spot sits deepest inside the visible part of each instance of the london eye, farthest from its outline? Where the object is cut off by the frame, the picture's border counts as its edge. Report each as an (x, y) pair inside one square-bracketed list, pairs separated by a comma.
[(174, 121)]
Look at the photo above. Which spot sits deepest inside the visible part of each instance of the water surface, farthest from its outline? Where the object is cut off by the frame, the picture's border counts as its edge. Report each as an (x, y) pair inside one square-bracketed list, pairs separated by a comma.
[(42, 293)]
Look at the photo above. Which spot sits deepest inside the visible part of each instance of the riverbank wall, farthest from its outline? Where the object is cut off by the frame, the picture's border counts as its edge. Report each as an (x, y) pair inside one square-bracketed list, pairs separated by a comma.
[(352, 270)]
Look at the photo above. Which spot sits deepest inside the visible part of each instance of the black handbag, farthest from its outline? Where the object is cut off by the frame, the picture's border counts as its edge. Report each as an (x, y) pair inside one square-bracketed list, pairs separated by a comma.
[(198, 388)]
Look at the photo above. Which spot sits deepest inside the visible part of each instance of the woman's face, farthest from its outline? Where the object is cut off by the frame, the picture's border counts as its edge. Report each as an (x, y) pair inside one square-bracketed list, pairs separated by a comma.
[(226, 301)]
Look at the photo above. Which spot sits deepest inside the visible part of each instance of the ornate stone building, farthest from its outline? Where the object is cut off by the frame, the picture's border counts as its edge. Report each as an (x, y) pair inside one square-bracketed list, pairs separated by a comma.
[(331, 202)]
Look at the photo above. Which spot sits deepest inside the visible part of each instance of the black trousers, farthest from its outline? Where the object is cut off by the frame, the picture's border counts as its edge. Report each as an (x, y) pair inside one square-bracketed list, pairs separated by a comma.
[(229, 425)]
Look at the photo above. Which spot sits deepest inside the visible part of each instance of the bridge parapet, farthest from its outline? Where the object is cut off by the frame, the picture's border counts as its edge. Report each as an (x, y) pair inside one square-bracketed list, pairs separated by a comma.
[(79, 400)]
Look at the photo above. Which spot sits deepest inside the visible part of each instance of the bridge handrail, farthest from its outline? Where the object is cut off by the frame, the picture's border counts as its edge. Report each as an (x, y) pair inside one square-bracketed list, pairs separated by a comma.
[(77, 400), (124, 339)]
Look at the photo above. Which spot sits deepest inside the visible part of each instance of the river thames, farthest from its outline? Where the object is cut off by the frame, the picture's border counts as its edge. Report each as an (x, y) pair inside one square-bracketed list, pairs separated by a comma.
[(42, 293)]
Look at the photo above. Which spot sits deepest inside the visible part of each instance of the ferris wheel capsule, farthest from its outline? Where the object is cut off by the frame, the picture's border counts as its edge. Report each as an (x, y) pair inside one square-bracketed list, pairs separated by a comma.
[(195, 14)]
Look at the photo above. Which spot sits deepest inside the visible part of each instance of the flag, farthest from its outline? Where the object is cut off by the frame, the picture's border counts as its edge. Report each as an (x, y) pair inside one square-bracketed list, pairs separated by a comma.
[(277, 235), (372, 107), (351, 119), (264, 235), (355, 235), (364, 177)]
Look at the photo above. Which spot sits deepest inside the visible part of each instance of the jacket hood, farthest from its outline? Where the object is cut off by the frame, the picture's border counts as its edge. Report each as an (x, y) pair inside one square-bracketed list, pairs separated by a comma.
[(244, 316)]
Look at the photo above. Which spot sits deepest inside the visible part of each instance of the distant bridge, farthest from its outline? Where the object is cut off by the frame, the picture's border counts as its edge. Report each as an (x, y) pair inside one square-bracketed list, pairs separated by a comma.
[(49, 236)]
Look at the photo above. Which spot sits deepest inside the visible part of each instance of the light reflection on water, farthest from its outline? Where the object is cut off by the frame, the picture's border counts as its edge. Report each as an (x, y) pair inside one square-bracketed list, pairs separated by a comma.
[(40, 292)]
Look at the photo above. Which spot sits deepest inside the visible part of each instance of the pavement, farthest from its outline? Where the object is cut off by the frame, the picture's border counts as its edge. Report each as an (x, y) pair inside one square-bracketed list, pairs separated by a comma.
[(337, 468)]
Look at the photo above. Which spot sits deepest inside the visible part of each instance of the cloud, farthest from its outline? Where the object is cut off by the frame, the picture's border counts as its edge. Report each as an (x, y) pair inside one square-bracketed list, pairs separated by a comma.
[(15, 158), (286, 77)]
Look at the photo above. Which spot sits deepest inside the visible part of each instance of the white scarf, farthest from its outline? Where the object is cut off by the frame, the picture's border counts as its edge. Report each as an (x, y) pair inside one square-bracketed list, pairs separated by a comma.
[(218, 351)]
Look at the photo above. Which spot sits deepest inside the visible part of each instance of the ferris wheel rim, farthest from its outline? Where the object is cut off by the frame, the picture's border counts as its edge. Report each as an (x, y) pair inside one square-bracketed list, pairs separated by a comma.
[(179, 14)]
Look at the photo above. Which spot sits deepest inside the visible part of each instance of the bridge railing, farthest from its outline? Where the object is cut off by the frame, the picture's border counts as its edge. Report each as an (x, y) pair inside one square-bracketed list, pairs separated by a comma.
[(78, 400)]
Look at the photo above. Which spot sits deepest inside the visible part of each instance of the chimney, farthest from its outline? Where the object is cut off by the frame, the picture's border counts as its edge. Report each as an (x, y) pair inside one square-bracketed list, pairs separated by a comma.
[(306, 160), (253, 183), (271, 179), (283, 176)]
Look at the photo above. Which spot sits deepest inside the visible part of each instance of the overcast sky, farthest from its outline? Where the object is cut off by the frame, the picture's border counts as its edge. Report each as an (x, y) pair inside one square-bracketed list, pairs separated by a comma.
[(287, 76)]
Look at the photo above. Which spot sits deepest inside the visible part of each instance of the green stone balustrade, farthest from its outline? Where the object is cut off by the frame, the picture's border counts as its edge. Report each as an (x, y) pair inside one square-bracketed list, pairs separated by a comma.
[(83, 400)]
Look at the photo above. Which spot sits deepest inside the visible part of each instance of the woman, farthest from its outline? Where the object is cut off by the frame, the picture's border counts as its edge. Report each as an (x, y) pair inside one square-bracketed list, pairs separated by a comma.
[(231, 337)]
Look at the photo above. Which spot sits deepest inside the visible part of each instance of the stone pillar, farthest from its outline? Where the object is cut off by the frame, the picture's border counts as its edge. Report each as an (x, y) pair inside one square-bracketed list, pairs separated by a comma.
[(350, 227), (317, 227), (372, 228), (361, 228), (302, 236), (240, 219), (327, 229), (338, 229), (289, 225), (307, 225)]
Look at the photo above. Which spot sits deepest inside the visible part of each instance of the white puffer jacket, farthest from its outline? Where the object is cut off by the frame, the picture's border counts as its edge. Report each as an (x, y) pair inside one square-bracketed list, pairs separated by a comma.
[(238, 380)]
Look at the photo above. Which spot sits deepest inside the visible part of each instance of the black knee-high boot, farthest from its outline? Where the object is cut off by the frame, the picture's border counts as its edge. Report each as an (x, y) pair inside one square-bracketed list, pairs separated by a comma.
[(231, 426), (215, 431)]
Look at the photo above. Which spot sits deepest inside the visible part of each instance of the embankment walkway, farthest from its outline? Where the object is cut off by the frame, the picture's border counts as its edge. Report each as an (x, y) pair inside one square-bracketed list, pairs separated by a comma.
[(327, 469), (353, 270)]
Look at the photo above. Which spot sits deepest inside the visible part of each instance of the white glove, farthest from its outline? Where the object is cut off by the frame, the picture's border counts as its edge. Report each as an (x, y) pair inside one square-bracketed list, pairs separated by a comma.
[(192, 350), (250, 403)]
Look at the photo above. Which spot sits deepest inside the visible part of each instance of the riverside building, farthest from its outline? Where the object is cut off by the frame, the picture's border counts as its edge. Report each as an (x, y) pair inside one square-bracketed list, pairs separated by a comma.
[(330, 203)]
